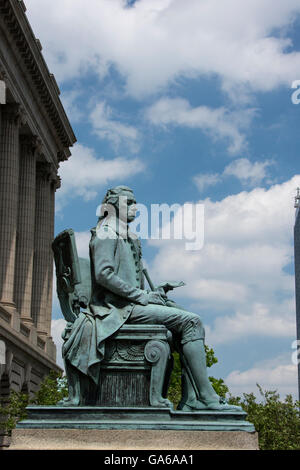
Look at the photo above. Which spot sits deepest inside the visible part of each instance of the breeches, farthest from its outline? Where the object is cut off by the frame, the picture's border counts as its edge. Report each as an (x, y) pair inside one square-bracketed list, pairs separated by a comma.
[(185, 325)]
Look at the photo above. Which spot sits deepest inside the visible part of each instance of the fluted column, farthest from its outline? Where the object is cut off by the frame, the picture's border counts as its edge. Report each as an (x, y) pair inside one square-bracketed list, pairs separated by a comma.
[(25, 228), (54, 185), (40, 286), (9, 182)]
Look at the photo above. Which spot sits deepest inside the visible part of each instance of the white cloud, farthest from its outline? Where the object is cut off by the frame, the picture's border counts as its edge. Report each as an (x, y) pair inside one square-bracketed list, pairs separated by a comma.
[(277, 374), (248, 173), (155, 43), (219, 123), (73, 111), (248, 243), (106, 126), (84, 175), (204, 180), (277, 321)]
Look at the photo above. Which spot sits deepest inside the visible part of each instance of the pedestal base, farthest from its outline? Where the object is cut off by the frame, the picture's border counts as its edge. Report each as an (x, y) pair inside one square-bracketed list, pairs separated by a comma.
[(137, 439), (132, 428)]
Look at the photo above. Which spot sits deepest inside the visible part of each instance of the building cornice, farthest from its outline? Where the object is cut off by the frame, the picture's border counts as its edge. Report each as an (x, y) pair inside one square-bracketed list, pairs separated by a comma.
[(29, 51)]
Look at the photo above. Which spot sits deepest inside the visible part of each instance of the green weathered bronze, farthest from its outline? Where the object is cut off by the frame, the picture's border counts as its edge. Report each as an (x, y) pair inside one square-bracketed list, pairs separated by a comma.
[(161, 419), (106, 305)]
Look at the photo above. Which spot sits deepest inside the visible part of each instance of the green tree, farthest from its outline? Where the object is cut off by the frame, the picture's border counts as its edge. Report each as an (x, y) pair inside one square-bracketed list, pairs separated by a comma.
[(53, 389), (13, 411), (277, 422)]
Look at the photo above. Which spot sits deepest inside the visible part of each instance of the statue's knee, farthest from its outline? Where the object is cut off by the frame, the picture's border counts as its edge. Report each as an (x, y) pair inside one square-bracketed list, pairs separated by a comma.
[(193, 329)]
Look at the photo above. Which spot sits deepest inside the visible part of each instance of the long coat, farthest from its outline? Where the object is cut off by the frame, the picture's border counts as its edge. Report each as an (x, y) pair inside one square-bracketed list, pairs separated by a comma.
[(117, 285)]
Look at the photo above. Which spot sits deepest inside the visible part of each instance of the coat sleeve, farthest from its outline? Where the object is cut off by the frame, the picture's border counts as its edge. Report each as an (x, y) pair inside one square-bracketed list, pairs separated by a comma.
[(103, 253)]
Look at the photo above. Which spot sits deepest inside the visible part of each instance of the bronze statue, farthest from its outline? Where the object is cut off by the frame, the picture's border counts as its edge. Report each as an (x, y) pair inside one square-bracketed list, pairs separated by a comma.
[(113, 294)]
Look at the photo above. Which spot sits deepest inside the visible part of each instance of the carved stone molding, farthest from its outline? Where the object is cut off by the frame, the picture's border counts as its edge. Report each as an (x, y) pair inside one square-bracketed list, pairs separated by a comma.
[(63, 156), (122, 350), (41, 79)]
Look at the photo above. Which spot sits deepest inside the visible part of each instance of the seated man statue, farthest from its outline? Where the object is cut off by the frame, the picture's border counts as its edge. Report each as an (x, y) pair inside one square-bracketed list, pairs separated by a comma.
[(118, 296)]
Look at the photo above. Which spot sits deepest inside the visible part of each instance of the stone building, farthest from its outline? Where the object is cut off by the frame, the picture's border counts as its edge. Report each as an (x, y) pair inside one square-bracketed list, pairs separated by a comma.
[(35, 136)]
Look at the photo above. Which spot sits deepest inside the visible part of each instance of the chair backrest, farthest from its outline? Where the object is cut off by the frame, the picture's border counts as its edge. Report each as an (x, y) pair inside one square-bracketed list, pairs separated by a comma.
[(84, 289), (72, 274)]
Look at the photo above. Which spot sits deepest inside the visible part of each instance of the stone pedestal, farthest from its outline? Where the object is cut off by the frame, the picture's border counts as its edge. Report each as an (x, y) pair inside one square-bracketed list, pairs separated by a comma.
[(132, 428), (95, 439)]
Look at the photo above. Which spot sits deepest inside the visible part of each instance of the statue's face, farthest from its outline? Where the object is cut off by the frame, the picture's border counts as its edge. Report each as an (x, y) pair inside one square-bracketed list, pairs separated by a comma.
[(127, 207)]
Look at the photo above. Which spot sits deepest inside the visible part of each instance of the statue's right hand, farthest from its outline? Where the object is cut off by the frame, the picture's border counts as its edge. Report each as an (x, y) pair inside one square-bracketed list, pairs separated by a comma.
[(156, 298)]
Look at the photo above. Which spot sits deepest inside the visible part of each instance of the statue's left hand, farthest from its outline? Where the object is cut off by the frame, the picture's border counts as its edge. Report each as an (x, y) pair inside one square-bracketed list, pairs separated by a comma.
[(170, 285), (162, 293)]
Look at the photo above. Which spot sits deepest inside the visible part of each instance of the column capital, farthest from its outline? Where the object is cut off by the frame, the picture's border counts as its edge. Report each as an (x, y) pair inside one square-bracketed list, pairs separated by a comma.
[(30, 143), (48, 173), (56, 181), (44, 170), (14, 113)]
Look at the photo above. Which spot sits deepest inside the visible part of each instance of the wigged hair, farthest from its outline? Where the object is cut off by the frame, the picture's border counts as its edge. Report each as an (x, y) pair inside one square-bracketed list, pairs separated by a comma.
[(112, 196)]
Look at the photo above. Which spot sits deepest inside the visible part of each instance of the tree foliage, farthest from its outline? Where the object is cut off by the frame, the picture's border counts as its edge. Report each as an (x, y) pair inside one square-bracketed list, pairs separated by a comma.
[(13, 411), (52, 389), (277, 422)]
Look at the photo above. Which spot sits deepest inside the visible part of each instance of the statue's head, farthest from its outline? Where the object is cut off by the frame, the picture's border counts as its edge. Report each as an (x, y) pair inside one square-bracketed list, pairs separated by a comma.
[(123, 201)]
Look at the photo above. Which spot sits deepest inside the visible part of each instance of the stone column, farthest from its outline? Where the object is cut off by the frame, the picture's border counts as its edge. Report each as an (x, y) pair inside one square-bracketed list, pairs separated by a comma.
[(25, 228), (54, 185), (9, 182), (43, 224)]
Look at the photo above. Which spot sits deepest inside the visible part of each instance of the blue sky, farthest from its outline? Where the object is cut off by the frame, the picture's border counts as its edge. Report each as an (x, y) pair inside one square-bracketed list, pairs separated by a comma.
[(191, 102)]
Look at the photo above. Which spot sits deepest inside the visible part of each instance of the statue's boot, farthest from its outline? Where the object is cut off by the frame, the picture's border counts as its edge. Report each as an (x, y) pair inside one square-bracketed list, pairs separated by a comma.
[(198, 392)]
